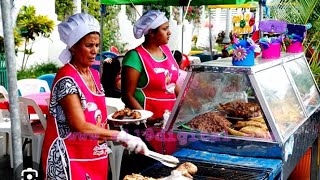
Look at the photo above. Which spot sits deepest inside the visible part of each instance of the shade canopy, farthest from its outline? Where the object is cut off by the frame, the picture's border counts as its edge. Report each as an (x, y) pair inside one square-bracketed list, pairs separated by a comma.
[(175, 2)]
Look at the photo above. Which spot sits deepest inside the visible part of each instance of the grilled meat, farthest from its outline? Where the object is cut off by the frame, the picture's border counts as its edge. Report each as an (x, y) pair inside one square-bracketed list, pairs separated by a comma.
[(240, 109), (119, 114), (209, 122), (136, 115), (126, 112)]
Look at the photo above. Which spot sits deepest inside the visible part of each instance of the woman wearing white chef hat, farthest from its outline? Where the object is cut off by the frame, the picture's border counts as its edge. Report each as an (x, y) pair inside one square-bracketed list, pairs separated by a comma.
[(150, 72), (148, 79), (74, 145)]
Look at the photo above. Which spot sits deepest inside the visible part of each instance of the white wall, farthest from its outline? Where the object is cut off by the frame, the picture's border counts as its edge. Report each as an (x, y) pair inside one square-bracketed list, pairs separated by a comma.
[(126, 30)]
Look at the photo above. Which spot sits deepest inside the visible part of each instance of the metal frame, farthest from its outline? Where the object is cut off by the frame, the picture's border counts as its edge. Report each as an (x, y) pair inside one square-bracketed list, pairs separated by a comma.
[(217, 142)]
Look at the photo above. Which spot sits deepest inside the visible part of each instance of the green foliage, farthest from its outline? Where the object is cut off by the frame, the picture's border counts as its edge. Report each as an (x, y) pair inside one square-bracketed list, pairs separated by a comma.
[(303, 12), (64, 9), (111, 33), (315, 68), (193, 13), (165, 9), (131, 13), (37, 70), (110, 25), (91, 7), (300, 12), (29, 26), (17, 41)]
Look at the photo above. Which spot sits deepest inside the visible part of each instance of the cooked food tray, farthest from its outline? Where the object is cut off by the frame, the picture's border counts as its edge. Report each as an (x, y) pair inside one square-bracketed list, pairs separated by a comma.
[(207, 171)]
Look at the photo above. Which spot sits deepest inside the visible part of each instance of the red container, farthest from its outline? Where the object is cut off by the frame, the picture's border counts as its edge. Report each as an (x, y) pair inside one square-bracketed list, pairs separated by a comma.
[(302, 169), (162, 142)]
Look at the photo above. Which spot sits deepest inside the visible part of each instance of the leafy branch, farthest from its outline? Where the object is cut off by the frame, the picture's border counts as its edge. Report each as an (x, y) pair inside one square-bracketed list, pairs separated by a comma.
[(29, 26)]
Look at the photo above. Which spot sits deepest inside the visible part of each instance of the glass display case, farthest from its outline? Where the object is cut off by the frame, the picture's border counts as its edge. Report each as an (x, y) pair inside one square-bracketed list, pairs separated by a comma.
[(231, 105)]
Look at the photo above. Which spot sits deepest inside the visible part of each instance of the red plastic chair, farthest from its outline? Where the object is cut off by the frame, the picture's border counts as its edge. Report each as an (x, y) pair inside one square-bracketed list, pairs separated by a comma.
[(185, 63)]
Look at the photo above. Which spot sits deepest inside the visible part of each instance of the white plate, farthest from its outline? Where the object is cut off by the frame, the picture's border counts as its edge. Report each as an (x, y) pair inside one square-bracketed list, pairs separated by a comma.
[(144, 115)]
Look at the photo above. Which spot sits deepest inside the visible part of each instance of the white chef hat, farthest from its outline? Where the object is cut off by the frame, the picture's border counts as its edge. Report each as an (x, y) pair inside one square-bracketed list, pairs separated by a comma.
[(71, 31), (150, 20)]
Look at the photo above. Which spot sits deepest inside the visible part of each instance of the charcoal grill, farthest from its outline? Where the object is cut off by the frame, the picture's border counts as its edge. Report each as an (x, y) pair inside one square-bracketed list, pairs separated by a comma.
[(208, 171)]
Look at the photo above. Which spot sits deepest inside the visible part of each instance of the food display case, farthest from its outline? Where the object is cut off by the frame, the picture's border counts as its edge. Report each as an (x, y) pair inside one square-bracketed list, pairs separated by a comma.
[(267, 111)]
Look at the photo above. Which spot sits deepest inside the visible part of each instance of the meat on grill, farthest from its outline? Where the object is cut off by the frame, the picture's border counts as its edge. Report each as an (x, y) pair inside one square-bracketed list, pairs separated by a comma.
[(210, 122)]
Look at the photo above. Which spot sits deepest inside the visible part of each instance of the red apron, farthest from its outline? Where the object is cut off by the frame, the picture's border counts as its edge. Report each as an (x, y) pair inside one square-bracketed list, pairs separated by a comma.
[(84, 157), (159, 91)]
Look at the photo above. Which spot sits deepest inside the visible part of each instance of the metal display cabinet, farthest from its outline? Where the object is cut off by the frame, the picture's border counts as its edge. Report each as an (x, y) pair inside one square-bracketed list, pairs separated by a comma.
[(284, 89)]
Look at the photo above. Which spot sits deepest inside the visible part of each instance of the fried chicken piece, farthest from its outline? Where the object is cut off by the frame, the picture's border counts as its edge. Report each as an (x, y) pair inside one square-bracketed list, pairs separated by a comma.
[(187, 169), (137, 177), (119, 114), (259, 119), (241, 124), (128, 111), (136, 115), (255, 132), (236, 133)]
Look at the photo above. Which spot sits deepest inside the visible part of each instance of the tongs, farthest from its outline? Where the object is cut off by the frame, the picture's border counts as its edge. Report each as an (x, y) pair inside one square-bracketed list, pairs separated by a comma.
[(166, 160)]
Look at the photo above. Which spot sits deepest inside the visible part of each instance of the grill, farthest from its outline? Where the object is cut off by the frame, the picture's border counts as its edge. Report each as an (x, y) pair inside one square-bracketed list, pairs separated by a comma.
[(208, 171)]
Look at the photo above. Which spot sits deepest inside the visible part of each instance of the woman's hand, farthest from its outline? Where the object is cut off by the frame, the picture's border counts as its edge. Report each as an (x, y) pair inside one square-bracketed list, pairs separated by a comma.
[(151, 120), (108, 60), (132, 143)]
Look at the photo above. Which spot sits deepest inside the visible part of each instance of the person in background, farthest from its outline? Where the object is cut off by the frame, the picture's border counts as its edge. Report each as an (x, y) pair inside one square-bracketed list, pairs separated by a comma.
[(184, 65), (111, 77), (74, 145), (149, 72)]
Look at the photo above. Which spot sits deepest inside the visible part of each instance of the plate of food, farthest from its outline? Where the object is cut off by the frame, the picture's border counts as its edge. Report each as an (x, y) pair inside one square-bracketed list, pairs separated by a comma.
[(129, 115)]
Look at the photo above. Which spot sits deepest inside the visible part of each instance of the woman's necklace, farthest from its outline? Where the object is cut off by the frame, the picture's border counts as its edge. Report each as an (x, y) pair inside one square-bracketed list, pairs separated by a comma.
[(86, 76)]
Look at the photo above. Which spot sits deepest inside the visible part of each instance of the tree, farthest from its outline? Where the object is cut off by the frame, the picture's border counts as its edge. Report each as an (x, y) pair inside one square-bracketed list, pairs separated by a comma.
[(303, 12), (17, 41), (300, 12), (110, 24), (29, 26), (64, 9)]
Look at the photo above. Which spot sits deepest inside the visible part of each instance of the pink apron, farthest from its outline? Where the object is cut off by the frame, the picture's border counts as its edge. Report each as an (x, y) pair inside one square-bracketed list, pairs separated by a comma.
[(86, 156), (159, 91)]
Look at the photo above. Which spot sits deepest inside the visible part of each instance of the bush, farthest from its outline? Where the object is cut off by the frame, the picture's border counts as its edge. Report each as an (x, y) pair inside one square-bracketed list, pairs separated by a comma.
[(37, 70)]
